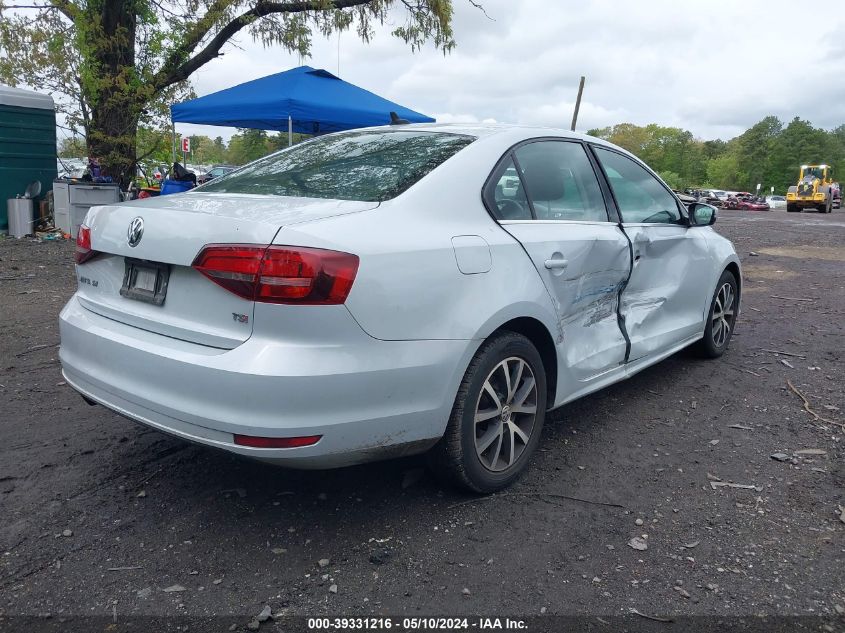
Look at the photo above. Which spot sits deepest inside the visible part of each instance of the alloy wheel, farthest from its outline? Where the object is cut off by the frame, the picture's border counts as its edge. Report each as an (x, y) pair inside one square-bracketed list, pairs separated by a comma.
[(505, 414), (723, 315)]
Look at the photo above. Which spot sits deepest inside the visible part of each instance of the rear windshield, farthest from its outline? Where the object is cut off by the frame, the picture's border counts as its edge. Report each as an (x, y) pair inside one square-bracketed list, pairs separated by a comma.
[(367, 166)]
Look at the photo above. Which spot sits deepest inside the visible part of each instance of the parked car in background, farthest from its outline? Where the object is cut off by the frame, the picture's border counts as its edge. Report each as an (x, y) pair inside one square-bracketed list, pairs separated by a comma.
[(714, 193), (215, 172), (745, 200), (71, 167), (753, 204), (776, 202), (390, 291)]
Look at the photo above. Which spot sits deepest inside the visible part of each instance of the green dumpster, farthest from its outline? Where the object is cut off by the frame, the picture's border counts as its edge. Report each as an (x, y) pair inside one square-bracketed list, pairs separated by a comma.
[(27, 144)]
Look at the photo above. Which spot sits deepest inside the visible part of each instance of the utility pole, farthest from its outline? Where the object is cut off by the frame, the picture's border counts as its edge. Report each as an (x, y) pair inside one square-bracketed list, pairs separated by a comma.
[(578, 103)]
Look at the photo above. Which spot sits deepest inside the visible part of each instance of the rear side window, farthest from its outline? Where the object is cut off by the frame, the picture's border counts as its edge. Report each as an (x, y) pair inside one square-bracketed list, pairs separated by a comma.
[(560, 181), (639, 195), (509, 195), (367, 166)]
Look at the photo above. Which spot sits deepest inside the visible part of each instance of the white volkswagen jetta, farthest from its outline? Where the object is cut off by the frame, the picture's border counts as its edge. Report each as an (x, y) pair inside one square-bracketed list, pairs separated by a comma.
[(394, 290)]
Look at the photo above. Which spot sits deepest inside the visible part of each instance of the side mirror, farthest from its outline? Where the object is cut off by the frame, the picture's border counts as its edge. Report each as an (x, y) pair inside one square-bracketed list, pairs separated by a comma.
[(701, 214)]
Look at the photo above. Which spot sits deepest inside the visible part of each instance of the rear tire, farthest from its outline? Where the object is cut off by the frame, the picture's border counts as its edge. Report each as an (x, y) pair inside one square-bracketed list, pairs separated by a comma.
[(721, 318), (509, 366), (792, 208)]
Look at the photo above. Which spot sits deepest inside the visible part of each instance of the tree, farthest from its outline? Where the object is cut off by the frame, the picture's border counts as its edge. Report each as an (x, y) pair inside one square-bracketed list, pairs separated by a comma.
[(664, 149), (154, 144), (72, 147), (755, 148), (204, 151), (248, 145), (672, 179), (280, 140), (723, 171), (117, 63)]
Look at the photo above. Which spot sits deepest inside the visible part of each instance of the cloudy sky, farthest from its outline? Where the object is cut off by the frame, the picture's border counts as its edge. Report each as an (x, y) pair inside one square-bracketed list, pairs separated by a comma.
[(714, 67)]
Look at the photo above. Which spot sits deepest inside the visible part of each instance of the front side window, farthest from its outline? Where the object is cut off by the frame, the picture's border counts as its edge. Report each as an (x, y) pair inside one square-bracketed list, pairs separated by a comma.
[(366, 166), (560, 181), (639, 195)]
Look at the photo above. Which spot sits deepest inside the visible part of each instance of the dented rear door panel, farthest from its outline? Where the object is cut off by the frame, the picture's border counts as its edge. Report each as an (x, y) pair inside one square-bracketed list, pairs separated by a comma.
[(584, 290)]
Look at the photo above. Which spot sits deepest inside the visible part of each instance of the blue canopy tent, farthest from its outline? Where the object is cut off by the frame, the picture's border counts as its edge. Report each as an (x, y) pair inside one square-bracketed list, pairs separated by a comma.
[(303, 99)]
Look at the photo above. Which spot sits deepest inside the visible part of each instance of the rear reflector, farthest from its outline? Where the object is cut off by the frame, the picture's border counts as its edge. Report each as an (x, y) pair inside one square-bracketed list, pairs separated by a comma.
[(279, 274), (83, 245), (276, 442)]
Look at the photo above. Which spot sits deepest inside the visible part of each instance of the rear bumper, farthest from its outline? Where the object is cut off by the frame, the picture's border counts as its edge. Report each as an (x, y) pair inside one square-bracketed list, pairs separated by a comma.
[(369, 399)]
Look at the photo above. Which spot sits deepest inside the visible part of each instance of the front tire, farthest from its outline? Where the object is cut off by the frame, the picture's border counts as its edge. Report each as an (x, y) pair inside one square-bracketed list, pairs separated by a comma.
[(497, 417), (721, 318), (792, 208)]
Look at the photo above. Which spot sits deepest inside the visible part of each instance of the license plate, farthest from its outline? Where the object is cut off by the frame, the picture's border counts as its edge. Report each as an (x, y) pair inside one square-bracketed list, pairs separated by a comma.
[(145, 281)]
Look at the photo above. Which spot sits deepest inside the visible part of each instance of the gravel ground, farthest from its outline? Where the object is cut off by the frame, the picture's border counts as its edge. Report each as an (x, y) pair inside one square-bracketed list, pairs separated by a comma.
[(103, 517)]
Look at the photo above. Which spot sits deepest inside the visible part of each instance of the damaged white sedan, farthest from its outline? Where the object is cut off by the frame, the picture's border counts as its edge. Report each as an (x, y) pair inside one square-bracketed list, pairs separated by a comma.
[(394, 290)]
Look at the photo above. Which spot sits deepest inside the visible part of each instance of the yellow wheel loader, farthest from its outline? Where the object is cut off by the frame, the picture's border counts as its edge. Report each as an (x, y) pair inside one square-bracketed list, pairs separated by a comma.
[(814, 189)]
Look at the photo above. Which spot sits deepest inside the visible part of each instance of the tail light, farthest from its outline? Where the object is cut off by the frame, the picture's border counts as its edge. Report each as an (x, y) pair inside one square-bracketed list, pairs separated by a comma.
[(83, 245), (280, 274)]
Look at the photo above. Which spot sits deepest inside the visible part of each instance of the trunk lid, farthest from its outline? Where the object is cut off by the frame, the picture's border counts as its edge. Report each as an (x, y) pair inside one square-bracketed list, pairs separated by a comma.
[(175, 229)]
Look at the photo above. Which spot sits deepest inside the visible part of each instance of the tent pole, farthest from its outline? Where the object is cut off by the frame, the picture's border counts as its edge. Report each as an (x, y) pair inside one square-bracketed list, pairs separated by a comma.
[(173, 139), (290, 131)]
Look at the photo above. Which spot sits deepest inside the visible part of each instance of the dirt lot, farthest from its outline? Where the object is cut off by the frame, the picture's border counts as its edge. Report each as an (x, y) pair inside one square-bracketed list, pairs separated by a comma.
[(102, 517)]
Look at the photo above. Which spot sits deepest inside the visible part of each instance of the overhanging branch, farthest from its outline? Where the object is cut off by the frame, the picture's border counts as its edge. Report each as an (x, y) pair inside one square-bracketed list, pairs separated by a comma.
[(68, 8), (173, 72)]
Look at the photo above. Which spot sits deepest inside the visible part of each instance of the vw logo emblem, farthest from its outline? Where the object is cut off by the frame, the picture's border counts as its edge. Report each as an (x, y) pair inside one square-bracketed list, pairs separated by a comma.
[(135, 232)]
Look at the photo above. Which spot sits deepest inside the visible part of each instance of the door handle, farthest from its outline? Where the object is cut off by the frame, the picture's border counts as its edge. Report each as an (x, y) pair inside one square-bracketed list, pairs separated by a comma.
[(556, 263), (642, 239)]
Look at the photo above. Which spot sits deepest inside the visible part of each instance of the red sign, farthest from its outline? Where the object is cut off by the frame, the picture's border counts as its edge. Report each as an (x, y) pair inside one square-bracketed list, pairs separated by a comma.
[(186, 144)]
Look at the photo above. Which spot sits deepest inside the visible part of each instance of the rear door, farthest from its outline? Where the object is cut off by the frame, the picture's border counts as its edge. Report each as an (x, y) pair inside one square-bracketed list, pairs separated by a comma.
[(557, 212), (664, 301)]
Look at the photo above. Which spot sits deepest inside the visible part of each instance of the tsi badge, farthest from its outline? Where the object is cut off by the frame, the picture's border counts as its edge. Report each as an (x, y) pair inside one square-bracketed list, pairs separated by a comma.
[(135, 231)]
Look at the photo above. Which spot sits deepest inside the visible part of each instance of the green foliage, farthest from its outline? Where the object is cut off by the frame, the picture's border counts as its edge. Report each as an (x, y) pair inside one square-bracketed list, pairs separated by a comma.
[(664, 149), (671, 178), (767, 153), (248, 145), (206, 151), (154, 145), (724, 172), (72, 147)]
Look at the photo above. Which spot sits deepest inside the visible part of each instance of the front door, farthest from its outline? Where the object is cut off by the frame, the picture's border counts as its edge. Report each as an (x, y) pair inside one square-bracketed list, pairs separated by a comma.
[(546, 194), (663, 303)]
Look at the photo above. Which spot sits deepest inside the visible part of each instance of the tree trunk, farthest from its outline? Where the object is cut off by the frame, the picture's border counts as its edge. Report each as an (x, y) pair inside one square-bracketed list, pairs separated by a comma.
[(112, 139), (112, 88)]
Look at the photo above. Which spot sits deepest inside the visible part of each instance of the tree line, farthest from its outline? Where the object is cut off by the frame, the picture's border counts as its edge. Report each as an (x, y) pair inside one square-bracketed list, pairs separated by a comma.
[(769, 153)]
